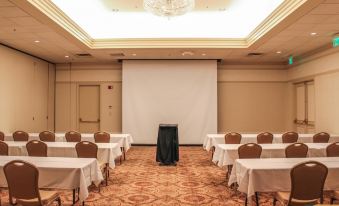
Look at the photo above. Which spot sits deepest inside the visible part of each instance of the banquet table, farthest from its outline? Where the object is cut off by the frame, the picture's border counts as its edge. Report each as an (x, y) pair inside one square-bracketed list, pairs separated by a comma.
[(107, 152), (61, 173), (273, 175), (226, 154), (214, 139), (124, 140)]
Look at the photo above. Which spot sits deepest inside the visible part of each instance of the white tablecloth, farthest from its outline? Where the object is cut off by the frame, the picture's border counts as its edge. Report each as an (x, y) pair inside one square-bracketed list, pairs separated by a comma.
[(214, 139), (273, 175), (226, 154), (107, 152), (124, 140), (61, 173)]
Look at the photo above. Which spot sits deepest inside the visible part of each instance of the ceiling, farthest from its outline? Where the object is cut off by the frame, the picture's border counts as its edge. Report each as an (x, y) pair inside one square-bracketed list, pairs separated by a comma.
[(21, 25), (114, 19)]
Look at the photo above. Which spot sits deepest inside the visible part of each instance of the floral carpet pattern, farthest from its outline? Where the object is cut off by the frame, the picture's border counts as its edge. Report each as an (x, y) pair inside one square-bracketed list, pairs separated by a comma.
[(141, 181)]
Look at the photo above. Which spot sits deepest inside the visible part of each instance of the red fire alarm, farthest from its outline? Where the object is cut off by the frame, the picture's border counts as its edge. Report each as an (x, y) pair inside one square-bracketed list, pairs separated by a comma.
[(110, 87)]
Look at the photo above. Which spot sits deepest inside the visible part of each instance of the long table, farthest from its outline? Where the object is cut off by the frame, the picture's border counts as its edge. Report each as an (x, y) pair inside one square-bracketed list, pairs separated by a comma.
[(215, 139), (273, 175), (124, 140), (226, 154), (107, 152), (61, 173)]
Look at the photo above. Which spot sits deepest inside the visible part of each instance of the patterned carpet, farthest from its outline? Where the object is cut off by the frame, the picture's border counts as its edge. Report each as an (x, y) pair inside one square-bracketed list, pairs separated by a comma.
[(140, 181)]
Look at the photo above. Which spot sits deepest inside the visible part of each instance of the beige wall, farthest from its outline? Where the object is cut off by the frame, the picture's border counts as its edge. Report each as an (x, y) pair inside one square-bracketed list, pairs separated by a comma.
[(68, 79), (325, 72), (252, 87), (27, 92), (252, 99)]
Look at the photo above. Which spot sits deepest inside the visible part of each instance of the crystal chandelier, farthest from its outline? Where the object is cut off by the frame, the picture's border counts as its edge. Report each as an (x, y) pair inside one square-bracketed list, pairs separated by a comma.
[(169, 8)]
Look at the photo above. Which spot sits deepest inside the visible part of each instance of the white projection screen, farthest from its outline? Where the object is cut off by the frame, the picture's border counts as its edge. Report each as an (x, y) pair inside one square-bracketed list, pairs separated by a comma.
[(182, 92)]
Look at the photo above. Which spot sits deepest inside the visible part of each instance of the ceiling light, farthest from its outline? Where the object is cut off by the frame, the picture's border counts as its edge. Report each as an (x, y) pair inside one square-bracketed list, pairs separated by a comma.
[(278, 52), (169, 8), (134, 54), (36, 41), (66, 56), (203, 54), (313, 33)]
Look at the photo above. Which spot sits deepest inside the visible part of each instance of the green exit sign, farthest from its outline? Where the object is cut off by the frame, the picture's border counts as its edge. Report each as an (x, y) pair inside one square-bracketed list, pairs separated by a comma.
[(290, 60), (336, 41)]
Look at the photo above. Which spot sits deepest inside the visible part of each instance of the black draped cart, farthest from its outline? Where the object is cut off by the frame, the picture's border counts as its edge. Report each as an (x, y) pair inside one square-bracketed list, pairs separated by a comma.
[(168, 144)]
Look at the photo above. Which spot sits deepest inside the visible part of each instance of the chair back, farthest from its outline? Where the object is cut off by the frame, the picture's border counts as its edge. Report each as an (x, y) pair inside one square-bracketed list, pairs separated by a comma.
[(332, 150), (307, 182), (47, 136), (102, 137), (321, 137), (232, 138), (2, 136), (249, 151), (290, 137), (36, 148), (73, 136), (22, 179), (20, 136), (265, 138), (86, 149), (3, 149), (296, 150)]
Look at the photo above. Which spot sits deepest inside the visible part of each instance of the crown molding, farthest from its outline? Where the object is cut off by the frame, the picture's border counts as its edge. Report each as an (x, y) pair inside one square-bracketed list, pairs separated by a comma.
[(48, 8)]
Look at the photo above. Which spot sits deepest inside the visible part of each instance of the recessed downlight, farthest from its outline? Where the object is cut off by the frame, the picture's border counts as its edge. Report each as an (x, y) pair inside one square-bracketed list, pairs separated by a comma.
[(203, 54), (37, 41), (66, 56), (278, 52), (134, 54), (313, 33)]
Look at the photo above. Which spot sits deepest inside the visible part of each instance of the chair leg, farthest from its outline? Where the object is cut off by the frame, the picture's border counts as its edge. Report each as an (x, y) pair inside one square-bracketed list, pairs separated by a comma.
[(74, 196), (246, 200), (274, 201), (256, 198), (59, 201), (106, 174)]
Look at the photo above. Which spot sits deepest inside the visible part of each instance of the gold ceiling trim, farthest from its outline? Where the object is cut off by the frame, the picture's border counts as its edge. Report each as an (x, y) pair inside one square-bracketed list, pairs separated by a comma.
[(59, 17)]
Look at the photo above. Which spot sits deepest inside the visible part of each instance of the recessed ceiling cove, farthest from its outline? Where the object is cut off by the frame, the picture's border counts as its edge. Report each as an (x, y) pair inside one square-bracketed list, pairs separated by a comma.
[(122, 19)]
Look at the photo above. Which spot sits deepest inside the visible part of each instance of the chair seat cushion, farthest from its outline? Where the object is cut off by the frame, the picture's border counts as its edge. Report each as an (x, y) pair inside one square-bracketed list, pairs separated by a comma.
[(47, 197), (283, 197)]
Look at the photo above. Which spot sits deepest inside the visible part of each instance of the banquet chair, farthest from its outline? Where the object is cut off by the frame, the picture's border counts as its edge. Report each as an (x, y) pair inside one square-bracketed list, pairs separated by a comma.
[(296, 150), (265, 138), (23, 185), (73, 136), (20, 136), (2, 136), (321, 137), (307, 183), (86, 149), (232, 138), (250, 151), (101, 137), (332, 150), (47, 136), (36, 148), (3, 149), (290, 137)]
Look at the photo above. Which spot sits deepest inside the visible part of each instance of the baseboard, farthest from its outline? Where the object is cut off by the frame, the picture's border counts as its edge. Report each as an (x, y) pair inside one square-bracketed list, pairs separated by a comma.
[(181, 145)]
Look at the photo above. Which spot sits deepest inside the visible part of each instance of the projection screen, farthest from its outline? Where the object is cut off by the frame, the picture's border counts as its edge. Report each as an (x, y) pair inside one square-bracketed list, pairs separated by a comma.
[(182, 92)]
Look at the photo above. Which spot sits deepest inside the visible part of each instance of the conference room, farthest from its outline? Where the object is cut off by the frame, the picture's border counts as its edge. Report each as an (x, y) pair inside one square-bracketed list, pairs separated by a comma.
[(169, 102)]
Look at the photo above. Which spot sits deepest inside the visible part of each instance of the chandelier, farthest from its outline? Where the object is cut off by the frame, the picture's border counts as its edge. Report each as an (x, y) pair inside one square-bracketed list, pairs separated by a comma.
[(169, 8)]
